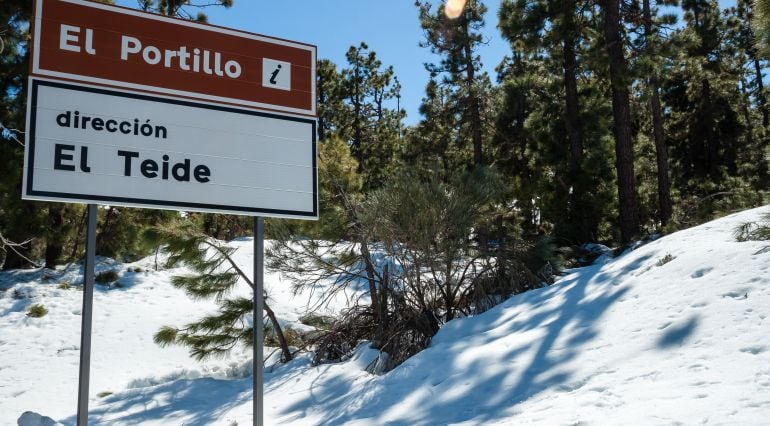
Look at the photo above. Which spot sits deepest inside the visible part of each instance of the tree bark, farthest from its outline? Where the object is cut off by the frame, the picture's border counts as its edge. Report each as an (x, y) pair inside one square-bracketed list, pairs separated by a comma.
[(53, 242), (621, 112), (356, 146), (712, 143), (321, 101), (577, 211), (474, 105), (286, 354), (661, 151), (761, 92)]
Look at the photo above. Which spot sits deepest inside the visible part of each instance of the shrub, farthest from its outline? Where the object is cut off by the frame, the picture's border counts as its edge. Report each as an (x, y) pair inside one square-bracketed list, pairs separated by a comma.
[(293, 338), (37, 311), (450, 252), (106, 277), (320, 322), (64, 285), (665, 259), (754, 231)]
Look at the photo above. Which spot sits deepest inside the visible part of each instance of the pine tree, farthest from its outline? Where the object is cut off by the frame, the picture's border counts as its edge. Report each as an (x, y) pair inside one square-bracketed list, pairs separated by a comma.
[(180, 8), (558, 161), (457, 41), (216, 275), (363, 116), (20, 221), (330, 96), (651, 40), (621, 112), (748, 64), (760, 23)]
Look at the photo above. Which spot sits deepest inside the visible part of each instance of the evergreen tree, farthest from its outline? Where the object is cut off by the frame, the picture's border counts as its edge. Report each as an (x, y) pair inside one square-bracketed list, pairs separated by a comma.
[(651, 58), (713, 148), (620, 83), (330, 94), (749, 65), (363, 117), (180, 8), (432, 146), (760, 23), (217, 274), (20, 221), (457, 42), (558, 160)]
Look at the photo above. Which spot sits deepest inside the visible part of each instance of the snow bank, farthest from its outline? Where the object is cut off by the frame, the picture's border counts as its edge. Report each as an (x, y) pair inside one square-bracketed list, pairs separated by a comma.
[(675, 331)]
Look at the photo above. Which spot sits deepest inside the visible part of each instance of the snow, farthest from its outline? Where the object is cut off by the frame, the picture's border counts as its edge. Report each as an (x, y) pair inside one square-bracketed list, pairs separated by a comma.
[(674, 331)]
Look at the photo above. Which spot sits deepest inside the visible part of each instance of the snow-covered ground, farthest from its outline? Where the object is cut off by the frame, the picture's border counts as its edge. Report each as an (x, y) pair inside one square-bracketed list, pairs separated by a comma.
[(676, 331)]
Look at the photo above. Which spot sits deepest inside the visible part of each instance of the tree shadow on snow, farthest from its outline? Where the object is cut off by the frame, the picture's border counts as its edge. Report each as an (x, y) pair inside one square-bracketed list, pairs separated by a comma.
[(449, 386), (677, 335), (195, 402)]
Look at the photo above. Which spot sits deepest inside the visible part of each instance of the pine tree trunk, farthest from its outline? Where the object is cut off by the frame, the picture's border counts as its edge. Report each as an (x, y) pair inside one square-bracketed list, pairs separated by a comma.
[(53, 242), (356, 146), (474, 104), (762, 166), (321, 101), (578, 215), (621, 112), (661, 151), (712, 143), (572, 111), (286, 354), (761, 92)]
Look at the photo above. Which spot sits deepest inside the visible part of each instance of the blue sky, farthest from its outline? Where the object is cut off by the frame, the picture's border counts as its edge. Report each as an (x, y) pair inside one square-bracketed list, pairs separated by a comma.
[(389, 27)]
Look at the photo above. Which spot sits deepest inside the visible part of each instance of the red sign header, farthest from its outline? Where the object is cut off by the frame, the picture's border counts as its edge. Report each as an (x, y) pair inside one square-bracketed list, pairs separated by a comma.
[(112, 46)]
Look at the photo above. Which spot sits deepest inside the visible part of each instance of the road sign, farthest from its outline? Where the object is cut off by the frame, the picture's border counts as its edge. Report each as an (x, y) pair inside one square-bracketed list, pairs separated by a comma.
[(141, 110), (91, 42), (88, 144)]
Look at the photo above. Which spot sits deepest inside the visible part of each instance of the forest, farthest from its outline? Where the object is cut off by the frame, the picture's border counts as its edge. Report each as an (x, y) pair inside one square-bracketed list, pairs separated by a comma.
[(607, 122)]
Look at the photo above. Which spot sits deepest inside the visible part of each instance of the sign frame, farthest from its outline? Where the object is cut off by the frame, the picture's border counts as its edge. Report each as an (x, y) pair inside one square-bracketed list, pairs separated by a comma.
[(84, 198), (39, 71)]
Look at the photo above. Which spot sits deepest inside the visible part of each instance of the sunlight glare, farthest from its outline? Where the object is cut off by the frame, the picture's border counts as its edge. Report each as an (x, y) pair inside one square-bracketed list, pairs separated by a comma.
[(454, 8)]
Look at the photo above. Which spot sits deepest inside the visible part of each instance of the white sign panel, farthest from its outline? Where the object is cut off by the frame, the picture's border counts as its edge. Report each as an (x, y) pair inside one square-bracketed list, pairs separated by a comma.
[(93, 145)]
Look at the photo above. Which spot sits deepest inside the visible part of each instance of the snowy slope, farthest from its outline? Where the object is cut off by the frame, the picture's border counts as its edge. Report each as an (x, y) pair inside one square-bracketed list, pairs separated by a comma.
[(675, 331)]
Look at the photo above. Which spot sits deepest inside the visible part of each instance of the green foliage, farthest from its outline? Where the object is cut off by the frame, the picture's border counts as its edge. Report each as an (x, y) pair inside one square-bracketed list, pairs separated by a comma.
[(572, 191), (459, 95), (321, 322), (437, 235), (754, 231), (37, 311), (215, 276), (19, 221), (292, 337), (761, 25), (429, 264), (181, 8), (665, 259)]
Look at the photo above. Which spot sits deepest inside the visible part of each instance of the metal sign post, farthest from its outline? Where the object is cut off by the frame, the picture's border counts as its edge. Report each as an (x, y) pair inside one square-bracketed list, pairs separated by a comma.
[(259, 329), (87, 316)]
